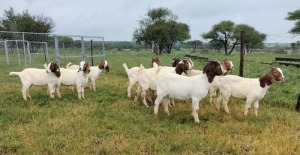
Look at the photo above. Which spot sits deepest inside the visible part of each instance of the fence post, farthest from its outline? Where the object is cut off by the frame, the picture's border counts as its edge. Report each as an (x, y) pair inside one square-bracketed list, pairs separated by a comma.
[(17, 46), (28, 49), (6, 52), (92, 54), (47, 56), (56, 49), (24, 49), (242, 55), (82, 49), (298, 103)]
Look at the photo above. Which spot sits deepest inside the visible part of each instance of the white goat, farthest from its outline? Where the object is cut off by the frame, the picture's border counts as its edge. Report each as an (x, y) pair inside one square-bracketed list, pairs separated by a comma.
[(147, 78), (40, 77), (183, 88), (132, 76), (251, 89), (71, 77), (147, 82), (228, 66), (95, 72)]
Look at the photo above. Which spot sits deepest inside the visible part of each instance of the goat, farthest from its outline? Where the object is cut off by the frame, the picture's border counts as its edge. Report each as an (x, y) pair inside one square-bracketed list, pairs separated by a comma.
[(40, 77), (156, 60), (183, 66), (95, 71), (183, 88), (147, 78), (251, 89), (175, 61), (228, 66), (71, 77), (132, 76)]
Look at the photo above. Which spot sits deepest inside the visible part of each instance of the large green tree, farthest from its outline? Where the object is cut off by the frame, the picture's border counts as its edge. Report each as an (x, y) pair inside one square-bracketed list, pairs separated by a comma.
[(25, 22), (294, 16), (223, 33), (161, 30), (252, 38), (228, 34)]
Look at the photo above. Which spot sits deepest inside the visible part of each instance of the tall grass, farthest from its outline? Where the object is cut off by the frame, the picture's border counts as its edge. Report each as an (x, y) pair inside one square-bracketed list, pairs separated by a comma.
[(107, 122)]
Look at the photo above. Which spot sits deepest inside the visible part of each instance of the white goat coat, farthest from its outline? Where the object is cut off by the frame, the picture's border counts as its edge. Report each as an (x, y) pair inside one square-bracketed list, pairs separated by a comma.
[(71, 77), (242, 88), (132, 76), (182, 87), (92, 75), (37, 77)]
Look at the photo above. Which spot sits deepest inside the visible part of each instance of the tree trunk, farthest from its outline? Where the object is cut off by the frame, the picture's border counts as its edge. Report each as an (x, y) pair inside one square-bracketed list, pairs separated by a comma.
[(225, 48), (232, 48), (168, 48)]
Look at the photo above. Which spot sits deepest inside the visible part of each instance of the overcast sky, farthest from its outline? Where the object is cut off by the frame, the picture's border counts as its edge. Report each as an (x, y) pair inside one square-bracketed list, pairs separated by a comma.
[(116, 20)]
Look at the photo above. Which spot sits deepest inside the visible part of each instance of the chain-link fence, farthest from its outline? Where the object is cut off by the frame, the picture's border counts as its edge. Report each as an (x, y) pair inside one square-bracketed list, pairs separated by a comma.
[(23, 50)]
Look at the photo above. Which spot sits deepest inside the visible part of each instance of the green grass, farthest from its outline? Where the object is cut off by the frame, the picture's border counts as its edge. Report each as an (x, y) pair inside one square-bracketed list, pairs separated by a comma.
[(107, 122)]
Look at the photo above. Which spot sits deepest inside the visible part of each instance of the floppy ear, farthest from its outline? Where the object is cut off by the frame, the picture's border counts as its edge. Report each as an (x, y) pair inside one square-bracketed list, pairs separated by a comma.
[(179, 69), (208, 71), (271, 76), (184, 68), (85, 68), (101, 65)]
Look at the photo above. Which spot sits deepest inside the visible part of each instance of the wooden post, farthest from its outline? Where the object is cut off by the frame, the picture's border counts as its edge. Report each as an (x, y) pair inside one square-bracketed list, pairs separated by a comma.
[(242, 55), (92, 54), (298, 103)]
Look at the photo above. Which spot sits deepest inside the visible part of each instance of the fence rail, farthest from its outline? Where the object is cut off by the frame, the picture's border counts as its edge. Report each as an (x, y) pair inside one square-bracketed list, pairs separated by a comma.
[(26, 47)]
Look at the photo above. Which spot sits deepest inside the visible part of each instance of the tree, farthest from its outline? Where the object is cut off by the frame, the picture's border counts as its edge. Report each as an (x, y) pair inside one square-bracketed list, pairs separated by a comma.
[(228, 34), (295, 45), (195, 44), (66, 42), (222, 32), (294, 16), (161, 27), (252, 38), (25, 23), (216, 45)]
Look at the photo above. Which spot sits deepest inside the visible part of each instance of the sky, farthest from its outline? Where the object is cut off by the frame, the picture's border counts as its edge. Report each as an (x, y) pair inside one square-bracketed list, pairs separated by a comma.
[(116, 20)]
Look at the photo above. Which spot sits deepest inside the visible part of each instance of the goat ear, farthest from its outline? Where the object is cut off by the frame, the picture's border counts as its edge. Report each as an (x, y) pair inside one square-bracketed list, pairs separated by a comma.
[(179, 69), (183, 67), (271, 78), (208, 71)]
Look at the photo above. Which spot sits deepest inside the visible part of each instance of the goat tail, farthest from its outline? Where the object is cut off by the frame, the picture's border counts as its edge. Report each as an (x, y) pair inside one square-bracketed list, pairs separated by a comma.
[(68, 65), (125, 67), (14, 73)]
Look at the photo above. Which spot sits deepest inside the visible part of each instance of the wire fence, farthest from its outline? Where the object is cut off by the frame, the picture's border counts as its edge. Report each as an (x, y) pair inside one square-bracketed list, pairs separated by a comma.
[(23, 49)]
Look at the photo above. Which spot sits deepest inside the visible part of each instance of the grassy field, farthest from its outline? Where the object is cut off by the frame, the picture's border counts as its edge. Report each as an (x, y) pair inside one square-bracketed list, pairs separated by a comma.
[(107, 122)]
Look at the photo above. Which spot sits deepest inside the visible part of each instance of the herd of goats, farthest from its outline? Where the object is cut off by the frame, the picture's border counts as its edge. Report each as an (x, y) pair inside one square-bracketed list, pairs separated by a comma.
[(179, 81)]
